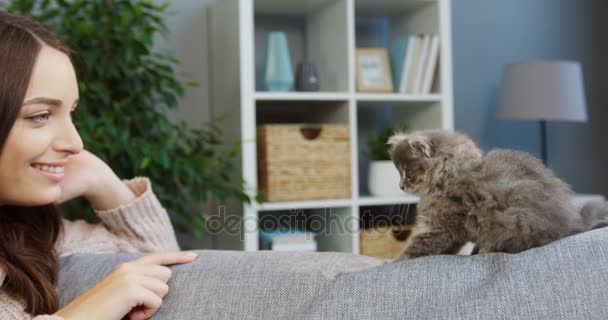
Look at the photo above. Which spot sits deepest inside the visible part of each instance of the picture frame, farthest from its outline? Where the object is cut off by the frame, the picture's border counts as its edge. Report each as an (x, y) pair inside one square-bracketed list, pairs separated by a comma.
[(372, 70)]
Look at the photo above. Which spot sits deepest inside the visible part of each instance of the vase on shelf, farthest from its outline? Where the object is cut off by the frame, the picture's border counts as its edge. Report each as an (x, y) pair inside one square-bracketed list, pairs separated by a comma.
[(384, 179), (307, 78), (277, 71)]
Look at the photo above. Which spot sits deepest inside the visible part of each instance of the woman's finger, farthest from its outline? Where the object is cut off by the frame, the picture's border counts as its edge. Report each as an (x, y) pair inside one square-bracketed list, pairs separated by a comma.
[(159, 272), (160, 288), (167, 258), (151, 304)]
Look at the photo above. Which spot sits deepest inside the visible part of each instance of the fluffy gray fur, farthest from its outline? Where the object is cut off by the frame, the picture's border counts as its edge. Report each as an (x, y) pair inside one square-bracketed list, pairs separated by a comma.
[(505, 201)]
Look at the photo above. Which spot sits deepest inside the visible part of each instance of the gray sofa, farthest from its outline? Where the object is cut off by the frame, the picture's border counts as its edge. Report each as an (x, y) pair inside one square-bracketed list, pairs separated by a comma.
[(567, 279)]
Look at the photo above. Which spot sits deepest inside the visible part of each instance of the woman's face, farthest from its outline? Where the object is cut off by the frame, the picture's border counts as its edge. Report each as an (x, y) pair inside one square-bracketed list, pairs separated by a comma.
[(43, 136)]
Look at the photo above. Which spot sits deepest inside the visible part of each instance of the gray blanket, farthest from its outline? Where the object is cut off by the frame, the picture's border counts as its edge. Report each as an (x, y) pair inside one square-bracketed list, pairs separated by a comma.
[(567, 279)]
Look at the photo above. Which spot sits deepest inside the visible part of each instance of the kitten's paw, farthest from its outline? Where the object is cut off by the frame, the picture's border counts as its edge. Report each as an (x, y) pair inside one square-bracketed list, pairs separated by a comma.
[(484, 251)]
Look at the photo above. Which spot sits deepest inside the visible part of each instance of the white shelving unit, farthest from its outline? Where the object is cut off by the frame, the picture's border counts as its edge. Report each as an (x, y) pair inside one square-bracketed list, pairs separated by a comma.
[(325, 33)]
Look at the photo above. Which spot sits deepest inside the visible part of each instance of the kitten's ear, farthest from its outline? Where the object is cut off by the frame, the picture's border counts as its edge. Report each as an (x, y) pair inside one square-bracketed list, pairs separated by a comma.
[(421, 146), (394, 140)]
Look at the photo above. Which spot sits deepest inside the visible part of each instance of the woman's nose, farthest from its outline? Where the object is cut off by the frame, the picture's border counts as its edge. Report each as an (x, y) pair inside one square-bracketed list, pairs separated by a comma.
[(68, 139)]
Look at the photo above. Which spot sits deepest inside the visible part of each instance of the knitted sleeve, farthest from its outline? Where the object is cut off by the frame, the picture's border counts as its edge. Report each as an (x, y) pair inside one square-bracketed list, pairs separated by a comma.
[(13, 309), (142, 225)]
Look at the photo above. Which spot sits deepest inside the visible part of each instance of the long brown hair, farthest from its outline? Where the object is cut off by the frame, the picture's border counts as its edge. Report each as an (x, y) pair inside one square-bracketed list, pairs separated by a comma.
[(27, 234)]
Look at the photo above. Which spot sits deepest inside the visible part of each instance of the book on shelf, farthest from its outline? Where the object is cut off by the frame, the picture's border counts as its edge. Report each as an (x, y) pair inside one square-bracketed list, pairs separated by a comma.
[(419, 64), (412, 43), (288, 240), (431, 65), (424, 53), (413, 70), (397, 58)]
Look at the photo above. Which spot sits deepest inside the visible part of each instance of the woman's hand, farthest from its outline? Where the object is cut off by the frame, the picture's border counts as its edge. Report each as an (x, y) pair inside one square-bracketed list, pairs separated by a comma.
[(135, 288), (87, 175)]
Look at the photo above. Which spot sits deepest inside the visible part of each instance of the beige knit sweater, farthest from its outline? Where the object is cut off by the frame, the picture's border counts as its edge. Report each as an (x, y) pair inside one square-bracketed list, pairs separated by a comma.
[(139, 226)]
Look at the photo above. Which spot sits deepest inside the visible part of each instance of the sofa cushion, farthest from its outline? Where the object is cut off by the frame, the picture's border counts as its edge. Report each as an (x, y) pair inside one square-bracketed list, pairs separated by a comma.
[(566, 279)]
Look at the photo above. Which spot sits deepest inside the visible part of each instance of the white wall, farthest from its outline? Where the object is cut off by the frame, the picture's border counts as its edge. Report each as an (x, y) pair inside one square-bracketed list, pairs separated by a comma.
[(188, 41), (487, 35)]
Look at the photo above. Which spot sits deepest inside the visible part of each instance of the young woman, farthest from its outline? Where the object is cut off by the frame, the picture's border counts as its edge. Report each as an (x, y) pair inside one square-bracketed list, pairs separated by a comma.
[(42, 163)]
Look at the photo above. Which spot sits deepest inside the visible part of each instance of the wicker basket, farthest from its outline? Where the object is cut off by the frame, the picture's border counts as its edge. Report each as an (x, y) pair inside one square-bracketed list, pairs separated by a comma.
[(384, 242), (303, 162)]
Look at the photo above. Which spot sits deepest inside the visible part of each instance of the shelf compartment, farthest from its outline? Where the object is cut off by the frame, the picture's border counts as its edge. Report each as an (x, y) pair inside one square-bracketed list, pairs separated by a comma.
[(301, 111), (383, 231), (380, 23), (390, 7), (393, 18), (293, 7), (303, 162), (333, 227), (315, 32), (417, 115), (338, 229), (373, 117)]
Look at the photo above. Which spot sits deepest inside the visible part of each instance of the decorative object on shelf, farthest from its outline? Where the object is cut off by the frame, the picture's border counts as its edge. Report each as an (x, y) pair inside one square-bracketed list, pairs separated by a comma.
[(288, 240), (383, 178), (384, 242), (543, 90), (373, 72), (303, 162), (307, 77), (277, 71), (420, 65)]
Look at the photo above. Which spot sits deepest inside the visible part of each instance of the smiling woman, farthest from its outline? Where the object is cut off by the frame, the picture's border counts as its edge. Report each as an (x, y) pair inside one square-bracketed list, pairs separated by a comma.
[(43, 163), (43, 135)]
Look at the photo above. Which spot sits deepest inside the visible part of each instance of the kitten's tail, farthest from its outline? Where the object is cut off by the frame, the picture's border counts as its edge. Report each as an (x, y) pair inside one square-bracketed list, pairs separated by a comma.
[(594, 215)]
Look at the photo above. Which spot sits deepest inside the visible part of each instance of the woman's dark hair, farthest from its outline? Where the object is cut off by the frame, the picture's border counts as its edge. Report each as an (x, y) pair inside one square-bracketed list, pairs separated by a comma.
[(27, 234)]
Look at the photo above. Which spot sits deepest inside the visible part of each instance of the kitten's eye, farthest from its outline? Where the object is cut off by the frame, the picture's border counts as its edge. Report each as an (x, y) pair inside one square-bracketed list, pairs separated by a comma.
[(409, 172)]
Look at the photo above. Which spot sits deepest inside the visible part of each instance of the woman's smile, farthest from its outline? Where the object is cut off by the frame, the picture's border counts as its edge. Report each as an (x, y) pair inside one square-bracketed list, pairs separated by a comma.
[(53, 173)]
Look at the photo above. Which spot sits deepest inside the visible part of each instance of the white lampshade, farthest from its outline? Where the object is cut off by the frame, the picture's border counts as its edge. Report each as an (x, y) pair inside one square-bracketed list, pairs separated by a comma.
[(543, 90)]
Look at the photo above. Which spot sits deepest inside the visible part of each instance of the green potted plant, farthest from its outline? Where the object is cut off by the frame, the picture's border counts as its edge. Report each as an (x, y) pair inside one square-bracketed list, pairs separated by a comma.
[(383, 178), (127, 91)]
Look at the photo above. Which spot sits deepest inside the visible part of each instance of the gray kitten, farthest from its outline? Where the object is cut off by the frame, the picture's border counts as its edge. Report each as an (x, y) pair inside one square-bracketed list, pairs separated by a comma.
[(507, 201)]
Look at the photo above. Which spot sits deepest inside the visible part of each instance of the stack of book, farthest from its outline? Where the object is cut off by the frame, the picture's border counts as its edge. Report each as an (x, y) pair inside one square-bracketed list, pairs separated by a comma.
[(414, 60), (288, 240)]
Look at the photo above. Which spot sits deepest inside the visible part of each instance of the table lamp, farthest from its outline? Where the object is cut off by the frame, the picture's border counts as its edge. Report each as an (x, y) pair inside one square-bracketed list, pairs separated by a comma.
[(543, 91)]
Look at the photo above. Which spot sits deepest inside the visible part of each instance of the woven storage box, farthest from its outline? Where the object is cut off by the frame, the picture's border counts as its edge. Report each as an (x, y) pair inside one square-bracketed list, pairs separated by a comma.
[(303, 162), (384, 242)]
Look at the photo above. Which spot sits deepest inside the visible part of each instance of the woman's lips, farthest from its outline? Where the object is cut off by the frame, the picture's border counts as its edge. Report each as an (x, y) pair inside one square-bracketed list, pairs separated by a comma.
[(54, 177)]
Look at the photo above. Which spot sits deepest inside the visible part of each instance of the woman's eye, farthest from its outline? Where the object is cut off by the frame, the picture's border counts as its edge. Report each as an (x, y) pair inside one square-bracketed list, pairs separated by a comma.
[(39, 118)]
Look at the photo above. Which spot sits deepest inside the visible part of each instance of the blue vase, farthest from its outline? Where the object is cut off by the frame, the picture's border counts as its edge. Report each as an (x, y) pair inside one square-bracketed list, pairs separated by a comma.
[(277, 72)]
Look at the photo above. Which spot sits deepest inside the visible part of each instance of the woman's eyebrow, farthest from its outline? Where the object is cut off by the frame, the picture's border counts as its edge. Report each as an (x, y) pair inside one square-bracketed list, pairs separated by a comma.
[(49, 101), (42, 100)]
